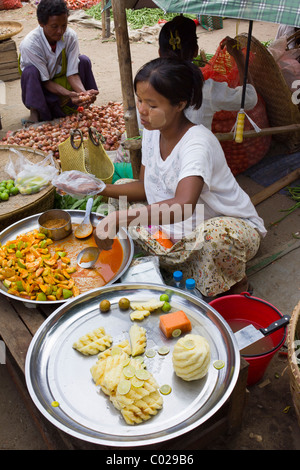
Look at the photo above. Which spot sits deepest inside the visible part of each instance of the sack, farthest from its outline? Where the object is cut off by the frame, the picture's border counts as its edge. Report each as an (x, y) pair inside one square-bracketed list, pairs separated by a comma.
[(87, 156), (30, 178), (10, 4), (239, 156)]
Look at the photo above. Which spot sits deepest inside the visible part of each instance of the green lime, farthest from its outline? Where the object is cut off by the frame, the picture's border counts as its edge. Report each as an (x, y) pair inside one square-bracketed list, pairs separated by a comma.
[(165, 389), (129, 372), (135, 382), (163, 350), (150, 353), (219, 364), (142, 374), (123, 386), (176, 333), (166, 307), (140, 359), (14, 191), (4, 196), (188, 344), (164, 297)]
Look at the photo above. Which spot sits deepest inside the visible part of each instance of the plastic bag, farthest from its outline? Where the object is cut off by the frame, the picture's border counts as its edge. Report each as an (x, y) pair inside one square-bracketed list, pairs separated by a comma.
[(239, 156), (78, 184), (30, 178)]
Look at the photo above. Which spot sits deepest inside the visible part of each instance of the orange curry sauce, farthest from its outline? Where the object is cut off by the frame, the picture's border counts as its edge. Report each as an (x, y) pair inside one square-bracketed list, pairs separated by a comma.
[(107, 265)]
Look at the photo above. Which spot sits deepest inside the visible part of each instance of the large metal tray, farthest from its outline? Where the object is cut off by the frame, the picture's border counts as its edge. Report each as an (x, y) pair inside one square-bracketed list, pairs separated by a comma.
[(57, 372), (30, 223)]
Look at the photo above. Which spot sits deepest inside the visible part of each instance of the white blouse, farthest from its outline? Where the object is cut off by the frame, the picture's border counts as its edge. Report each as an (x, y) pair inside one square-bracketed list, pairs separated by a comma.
[(198, 153)]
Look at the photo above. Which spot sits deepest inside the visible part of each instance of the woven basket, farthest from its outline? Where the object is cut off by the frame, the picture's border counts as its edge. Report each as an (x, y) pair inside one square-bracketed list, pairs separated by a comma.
[(22, 206), (14, 28), (293, 342), (86, 155), (271, 85)]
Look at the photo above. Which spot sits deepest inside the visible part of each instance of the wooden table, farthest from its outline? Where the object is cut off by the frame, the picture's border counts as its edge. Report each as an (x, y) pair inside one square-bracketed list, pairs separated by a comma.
[(18, 324)]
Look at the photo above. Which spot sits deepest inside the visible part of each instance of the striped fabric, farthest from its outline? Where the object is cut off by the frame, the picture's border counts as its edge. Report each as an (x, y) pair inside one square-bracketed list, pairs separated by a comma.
[(274, 11)]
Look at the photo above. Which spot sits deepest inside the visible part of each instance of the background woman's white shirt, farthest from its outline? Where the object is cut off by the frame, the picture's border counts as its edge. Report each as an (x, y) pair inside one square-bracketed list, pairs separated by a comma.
[(198, 153), (218, 96)]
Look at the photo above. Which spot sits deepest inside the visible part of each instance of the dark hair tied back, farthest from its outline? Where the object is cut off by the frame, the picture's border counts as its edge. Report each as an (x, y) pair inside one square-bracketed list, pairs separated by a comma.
[(175, 79)]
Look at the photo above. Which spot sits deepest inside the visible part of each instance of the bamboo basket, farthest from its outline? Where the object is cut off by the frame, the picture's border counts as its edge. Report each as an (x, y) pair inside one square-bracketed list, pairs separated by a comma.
[(293, 342), (271, 85), (22, 206), (14, 26)]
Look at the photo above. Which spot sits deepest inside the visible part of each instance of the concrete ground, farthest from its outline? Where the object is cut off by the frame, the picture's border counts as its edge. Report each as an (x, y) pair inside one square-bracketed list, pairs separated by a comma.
[(270, 421)]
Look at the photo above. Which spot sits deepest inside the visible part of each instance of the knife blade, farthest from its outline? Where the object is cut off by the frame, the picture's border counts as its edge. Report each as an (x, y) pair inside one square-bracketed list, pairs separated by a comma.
[(249, 335)]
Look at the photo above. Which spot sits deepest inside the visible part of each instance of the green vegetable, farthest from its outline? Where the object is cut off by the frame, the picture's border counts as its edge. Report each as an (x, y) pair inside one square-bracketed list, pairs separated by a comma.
[(294, 192), (136, 19)]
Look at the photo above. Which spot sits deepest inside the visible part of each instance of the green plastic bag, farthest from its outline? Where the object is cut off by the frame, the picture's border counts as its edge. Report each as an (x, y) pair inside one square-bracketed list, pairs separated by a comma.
[(122, 170)]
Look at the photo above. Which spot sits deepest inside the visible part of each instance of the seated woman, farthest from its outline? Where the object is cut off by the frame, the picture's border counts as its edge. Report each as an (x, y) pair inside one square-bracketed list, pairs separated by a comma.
[(54, 76), (178, 38), (189, 188)]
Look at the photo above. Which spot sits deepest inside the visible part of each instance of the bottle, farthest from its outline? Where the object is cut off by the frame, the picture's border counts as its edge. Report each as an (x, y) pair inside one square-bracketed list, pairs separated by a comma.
[(190, 287), (177, 280)]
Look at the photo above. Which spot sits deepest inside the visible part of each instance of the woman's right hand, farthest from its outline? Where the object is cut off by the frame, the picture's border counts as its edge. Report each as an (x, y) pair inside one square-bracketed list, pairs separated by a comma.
[(106, 231)]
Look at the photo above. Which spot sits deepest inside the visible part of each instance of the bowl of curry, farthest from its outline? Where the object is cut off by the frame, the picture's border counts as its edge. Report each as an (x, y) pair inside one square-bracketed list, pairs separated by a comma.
[(35, 268), (55, 224)]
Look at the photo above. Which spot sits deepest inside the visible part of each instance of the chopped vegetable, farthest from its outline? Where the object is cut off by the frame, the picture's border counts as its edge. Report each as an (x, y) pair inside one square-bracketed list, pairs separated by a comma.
[(28, 270)]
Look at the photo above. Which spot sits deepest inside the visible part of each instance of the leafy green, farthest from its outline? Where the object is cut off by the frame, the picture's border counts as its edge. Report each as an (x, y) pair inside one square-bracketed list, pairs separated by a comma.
[(66, 202), (136, 19)]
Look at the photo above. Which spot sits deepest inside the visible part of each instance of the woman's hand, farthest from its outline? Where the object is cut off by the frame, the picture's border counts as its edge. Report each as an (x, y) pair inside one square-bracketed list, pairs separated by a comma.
[(106, 231)]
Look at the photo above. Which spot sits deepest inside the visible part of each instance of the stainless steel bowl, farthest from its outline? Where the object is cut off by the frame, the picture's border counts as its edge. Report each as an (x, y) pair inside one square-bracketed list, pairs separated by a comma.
[(55, 233), (30, 223)]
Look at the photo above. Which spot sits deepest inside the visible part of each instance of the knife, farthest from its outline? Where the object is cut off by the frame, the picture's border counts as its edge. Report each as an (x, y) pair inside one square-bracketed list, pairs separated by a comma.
[(250, 334)]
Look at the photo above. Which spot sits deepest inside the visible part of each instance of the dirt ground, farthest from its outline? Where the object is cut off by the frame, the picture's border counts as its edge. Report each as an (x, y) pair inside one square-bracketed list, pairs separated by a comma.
[(270, 421)]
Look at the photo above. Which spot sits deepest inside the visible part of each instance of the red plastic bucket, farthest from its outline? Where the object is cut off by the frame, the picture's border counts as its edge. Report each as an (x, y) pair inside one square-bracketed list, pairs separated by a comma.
[(243, 309)]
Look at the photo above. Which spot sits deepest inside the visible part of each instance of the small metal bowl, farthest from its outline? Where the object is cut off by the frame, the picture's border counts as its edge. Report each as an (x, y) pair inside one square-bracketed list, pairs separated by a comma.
[(55, 233)]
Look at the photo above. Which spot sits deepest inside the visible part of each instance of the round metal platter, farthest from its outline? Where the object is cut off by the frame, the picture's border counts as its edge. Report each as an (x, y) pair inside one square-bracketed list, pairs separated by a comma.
[(31, 223), (55, 372)]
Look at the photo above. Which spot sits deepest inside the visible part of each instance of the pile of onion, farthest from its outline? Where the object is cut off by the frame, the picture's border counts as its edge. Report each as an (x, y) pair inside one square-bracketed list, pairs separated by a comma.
[(108, 120)]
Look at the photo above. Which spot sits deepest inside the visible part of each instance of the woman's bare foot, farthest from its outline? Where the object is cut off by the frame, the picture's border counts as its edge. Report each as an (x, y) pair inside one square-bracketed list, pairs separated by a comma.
[(34, 115)]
